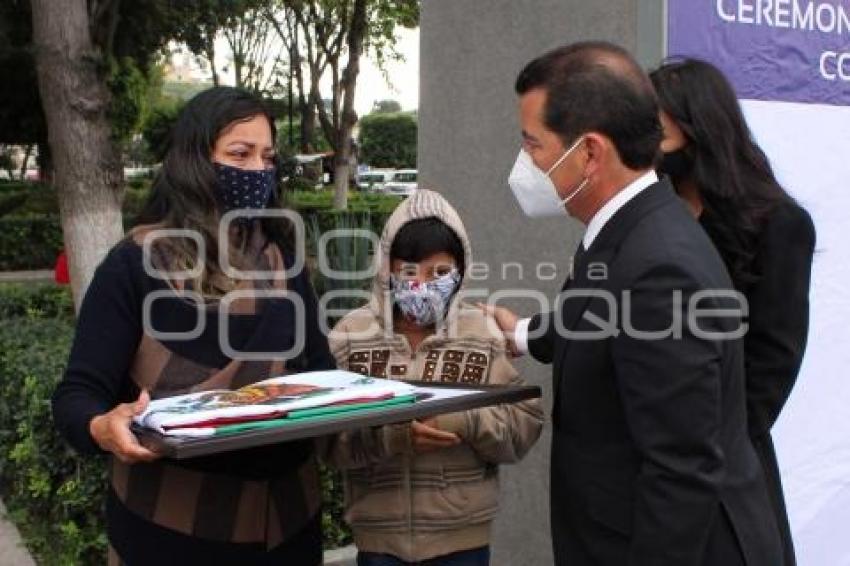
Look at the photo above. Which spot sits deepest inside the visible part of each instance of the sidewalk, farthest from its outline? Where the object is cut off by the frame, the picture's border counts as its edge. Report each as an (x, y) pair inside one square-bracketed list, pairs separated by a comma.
[(24, 276), (12, 551)]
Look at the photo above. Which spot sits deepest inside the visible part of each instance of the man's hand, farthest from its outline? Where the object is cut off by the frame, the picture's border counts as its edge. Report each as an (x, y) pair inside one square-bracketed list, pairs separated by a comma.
[(507, 322), (427, 437), (112, 433)]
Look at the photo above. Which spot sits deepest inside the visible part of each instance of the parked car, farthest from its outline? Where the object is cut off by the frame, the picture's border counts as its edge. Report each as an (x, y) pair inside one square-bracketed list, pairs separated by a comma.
[(373, 181), (404, 183)]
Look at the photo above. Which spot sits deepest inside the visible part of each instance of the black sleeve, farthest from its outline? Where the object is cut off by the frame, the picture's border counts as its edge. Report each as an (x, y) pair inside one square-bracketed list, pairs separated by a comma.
[(317, 354), (541, 341), (106, 338), (671, 394), (779, 316)]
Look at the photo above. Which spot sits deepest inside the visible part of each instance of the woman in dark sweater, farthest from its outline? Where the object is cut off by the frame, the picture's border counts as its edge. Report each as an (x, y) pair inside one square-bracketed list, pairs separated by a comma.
[(765, 238), (166, 314)]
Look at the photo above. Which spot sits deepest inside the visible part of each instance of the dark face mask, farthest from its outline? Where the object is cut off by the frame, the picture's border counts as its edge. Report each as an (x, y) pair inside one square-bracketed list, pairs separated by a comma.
[(240, 189), (677, 165)]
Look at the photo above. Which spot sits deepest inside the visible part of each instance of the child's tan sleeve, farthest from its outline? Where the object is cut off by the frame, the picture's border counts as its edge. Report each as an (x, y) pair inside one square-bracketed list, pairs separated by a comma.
[(363, 447), (500, 434)]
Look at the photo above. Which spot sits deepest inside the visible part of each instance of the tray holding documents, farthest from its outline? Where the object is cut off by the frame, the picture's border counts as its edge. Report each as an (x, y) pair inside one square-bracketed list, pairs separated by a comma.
[(300, 406)]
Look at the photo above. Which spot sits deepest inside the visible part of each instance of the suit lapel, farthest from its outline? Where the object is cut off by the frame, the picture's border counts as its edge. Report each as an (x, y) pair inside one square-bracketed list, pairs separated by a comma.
[(603, 251)]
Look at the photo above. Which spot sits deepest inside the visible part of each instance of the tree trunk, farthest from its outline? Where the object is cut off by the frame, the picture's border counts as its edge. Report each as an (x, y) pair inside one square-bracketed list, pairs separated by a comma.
[(306, 108), (308, 121), (26, 161), (44, 162), (331, 132), (237, 70), (210, 52), (88, 164), (349, 118)]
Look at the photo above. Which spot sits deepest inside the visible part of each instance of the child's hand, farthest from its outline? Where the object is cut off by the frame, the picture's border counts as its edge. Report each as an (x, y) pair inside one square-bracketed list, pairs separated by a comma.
[(427, 437)]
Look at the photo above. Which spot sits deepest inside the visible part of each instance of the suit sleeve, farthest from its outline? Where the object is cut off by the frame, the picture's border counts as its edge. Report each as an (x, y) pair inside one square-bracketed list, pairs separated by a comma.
[(541, 337), (671, 394), (779, 317)]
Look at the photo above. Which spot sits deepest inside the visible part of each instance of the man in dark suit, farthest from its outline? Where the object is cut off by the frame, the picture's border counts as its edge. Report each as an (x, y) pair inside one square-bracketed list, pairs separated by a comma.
[(651, 461)]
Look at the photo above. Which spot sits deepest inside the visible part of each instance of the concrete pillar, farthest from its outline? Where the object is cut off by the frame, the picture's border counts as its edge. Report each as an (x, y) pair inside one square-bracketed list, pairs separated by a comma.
[(470, 54)]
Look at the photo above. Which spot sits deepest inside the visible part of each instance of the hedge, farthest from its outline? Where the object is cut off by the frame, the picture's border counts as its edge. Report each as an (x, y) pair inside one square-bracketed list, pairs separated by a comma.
[(54, 496), (25, 199), (33, 242), (29, 242)]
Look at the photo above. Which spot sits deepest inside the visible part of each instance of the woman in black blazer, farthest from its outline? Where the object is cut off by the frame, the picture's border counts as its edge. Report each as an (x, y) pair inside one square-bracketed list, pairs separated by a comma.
[(765, 238)]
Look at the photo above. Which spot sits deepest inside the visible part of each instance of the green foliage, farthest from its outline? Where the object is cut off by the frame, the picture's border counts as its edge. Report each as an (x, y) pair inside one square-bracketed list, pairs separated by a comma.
[(54, 497), (29, 242), (298, 185), (40, 300), (319, 143), (309, 200), (388, 140), (157, 127), (345, 253), (130, 97), (31, 235), (28, 198), (34, 241), (17, 185), (384, 16), (334, 529), (12, 201), (135, 199)]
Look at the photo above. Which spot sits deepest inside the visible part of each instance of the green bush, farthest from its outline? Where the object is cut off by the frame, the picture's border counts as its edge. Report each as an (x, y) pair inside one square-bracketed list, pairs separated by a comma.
[(36, 198), (40, 300), (322, 200), (17, 185), (295, 185), (139, 183), (31, 242), (388, 140), (135, 198), (54, 497), (12, 201)]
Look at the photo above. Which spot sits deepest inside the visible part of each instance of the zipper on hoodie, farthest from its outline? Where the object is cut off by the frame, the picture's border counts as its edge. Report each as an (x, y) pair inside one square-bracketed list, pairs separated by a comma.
[(416, 367), (408, 488)]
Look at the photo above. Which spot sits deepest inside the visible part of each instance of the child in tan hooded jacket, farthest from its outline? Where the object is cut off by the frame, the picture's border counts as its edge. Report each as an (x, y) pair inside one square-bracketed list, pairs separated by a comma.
[(427, 490)]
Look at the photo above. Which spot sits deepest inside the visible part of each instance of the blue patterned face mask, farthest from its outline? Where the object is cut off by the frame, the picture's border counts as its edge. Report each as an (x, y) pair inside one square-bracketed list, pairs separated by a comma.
[(240, 189), (424, 303)]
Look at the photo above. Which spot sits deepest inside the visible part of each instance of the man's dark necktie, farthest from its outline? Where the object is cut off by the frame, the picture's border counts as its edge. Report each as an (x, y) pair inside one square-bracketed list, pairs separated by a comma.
[(576, 265)]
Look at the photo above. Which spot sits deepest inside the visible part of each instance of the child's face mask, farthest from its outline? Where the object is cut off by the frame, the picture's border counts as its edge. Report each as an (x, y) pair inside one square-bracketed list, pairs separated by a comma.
[(424, 303)]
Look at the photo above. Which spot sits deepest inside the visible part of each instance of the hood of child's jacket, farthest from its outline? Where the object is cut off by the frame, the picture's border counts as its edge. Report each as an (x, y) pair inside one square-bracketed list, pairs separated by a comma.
[(423, 203)]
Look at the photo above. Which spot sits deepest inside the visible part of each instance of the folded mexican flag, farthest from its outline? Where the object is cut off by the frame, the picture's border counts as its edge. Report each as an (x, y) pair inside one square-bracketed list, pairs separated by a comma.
[(272, 402)]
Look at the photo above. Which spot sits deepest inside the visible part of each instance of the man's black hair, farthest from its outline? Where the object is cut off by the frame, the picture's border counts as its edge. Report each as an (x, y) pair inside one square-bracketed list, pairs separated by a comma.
[(424, 237), (597, 87)]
